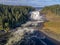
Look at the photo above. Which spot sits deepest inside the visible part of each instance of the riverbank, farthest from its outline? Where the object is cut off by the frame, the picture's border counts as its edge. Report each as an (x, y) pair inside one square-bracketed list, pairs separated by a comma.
[(51, 39), (52, 26)]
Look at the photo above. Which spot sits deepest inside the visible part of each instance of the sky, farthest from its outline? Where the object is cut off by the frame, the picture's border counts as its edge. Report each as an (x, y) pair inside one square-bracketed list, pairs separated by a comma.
[(34, 3)]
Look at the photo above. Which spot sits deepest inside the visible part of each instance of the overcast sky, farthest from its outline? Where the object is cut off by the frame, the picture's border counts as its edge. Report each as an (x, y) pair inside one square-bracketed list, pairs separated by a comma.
[(35, 3)]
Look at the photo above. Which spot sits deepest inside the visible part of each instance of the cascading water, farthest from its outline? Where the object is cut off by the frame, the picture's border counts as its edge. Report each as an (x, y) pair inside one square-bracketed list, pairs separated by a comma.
[(35, 15), (35, 19)]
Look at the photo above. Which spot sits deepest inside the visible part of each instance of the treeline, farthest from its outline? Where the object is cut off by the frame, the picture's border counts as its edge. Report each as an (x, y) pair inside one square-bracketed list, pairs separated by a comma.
[(13, 16), (54, 9)]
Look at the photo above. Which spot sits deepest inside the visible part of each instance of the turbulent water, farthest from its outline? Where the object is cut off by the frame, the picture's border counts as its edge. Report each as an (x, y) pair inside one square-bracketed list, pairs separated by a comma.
[(23, 35)]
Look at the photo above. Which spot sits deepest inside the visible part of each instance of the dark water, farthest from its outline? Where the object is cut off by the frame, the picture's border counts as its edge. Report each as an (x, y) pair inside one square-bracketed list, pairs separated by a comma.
[(35, 39), (49, 42)]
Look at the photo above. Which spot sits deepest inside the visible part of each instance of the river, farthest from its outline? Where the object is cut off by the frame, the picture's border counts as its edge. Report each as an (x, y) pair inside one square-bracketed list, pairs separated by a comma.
[(30, 34)]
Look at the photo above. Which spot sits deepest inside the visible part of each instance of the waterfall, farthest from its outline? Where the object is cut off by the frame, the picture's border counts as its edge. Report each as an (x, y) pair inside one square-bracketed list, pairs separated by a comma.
[(35, 18), (35, 15)]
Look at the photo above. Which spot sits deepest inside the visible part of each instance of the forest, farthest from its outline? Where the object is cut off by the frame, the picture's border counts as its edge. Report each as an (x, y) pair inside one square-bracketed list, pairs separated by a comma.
[(13, 16), (53, 8)]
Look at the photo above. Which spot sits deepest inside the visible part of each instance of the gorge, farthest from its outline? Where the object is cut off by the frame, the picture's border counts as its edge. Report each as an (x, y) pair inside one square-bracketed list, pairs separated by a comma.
[(29, 33)]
